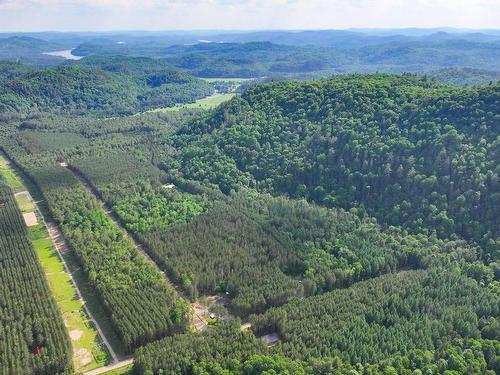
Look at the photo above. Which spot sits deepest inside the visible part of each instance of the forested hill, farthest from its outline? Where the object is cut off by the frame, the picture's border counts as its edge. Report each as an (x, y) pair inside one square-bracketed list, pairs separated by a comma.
[(464, 76), (406, 150), (110, 86), (257, 59), (29, 50)]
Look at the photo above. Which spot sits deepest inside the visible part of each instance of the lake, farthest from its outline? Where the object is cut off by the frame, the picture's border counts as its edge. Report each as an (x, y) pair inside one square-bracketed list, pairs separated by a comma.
[(65, 53)]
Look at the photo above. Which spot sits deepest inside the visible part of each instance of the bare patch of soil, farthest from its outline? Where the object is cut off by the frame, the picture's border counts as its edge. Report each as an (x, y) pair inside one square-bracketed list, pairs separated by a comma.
[(30, 219)]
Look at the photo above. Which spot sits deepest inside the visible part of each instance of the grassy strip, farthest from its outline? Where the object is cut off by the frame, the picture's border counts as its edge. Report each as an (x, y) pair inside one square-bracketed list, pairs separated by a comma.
[(89, 352), (206, 103), (230, 80), (10, 176), (127, 370)]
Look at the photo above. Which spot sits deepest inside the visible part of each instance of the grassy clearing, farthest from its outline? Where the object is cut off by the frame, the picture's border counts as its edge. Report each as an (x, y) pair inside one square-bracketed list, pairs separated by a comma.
[(89, 352), (205, 103), (231, 80), (25, 204), (10, 176), (127, 370)]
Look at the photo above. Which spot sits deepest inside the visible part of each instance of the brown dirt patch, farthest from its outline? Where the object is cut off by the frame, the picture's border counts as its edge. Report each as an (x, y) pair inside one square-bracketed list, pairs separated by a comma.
[(75, 334), (30, 219)]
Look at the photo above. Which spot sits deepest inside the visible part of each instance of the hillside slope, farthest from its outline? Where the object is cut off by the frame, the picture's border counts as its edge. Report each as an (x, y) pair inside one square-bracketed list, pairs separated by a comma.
[(409, 152), (100, 85)]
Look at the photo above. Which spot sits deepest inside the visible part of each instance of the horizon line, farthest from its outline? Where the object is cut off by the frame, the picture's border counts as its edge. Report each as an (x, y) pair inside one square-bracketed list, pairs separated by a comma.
[(449, 28)]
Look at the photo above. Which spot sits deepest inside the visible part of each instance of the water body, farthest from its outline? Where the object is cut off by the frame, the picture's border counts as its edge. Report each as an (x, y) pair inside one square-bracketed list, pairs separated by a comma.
[(65, 53)]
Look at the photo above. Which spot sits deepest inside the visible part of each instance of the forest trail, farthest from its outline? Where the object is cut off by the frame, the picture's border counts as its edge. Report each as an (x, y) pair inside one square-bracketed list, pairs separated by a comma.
[(109, 212), (198, 321)]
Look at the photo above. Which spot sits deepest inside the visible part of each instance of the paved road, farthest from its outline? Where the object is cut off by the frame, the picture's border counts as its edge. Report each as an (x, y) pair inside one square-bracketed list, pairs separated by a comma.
[(62, 248)]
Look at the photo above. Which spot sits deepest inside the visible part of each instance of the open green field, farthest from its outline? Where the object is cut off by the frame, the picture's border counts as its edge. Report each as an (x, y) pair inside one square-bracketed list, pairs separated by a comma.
[(10, 176), (89, 352), (126, 370), (205, 103), (232, 80)]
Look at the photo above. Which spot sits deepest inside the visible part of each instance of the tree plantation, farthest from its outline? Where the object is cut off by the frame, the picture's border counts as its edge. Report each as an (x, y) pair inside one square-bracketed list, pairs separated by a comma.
[(405, 323), (141, 306), (33, 338)]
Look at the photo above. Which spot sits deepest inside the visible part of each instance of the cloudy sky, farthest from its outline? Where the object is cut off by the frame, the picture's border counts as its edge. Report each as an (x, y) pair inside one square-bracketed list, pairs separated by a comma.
[(99, 15)]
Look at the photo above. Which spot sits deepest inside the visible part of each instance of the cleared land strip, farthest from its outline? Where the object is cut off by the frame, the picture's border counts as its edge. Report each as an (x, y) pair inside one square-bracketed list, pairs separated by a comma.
[(198, 322), (114, 366), (61, 247), (51, 249)]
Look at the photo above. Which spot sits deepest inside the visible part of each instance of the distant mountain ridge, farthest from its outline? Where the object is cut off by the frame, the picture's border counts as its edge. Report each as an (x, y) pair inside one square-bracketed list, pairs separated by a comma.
[(274, 53)]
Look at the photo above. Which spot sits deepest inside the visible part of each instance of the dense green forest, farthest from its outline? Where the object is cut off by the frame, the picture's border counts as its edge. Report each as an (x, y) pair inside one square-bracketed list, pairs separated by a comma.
[(113, 87), (257, 59), (391, 314), (33, 338), (405, 150), (261, 250), (176, 355), (407, 323), (355, 217), (464, 76)]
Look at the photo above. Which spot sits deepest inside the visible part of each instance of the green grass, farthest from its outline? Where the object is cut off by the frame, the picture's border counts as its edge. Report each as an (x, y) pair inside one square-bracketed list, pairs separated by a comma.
[(127, 370), (232, 80), (72, 310), (12, 179), (205, 103), (25, 204), (59, 281)]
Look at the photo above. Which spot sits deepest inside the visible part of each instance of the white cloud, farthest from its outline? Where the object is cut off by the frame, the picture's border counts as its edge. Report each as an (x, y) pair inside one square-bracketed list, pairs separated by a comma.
[(244, 14)]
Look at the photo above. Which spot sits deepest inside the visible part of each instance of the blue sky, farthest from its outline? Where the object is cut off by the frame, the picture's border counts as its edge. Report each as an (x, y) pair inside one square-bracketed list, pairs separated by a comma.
[(99, 15)]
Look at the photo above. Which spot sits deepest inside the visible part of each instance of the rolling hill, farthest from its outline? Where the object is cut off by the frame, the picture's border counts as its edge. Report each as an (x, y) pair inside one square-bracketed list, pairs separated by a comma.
[(117, 86)]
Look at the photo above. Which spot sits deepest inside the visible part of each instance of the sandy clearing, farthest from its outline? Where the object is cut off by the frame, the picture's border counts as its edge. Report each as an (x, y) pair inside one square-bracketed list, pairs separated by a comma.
[(86, 360), (198, 321), (75, 334), (30, 219), (24, 194)]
